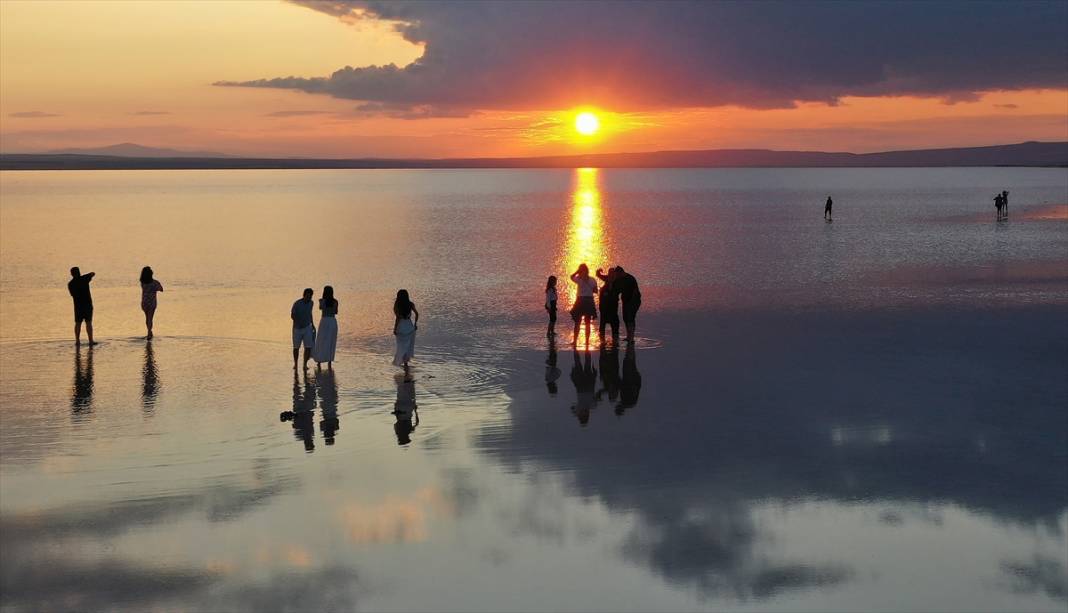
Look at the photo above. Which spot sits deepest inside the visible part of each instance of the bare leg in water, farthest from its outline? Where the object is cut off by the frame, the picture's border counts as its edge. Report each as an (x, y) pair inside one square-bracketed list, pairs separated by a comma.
[(149, 314)]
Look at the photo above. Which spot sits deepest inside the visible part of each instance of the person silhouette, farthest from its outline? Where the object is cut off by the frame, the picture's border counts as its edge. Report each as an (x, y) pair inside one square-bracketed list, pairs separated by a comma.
[(550, 304), (149, 288), (827, 209), (81, 399), (584, 377), (630, 385), (78, 286), (999, 205), (326, 337), (405, 409), (552, 373), (303, 326), (150, 376), (1005, 204), (326, 385), (626, 286), (608, 304), (404, 328), (584, 308)]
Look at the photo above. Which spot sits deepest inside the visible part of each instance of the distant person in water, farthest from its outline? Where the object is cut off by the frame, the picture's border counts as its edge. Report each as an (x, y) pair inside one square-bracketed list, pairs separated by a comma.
[(149, 288), (626, 286), (999, 204), (404, 328), (78, 286), (584, 307), (827, 208), (1005, 204), (326, 337), (608, 304), (303, 326), (550, 304)]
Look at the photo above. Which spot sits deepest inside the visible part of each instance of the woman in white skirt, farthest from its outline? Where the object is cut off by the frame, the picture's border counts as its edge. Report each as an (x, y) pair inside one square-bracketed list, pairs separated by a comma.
[(326, 336), (404, 328)]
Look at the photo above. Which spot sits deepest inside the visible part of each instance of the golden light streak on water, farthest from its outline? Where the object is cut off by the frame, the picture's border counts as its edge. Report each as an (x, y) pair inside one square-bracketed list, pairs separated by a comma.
[(587, 241)]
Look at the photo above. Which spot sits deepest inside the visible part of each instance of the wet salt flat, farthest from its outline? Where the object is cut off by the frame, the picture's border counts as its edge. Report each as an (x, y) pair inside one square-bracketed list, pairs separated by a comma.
[(861, 415)]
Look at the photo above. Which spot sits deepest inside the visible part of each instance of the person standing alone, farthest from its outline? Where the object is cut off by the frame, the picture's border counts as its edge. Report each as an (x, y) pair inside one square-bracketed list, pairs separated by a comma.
[(303, 328), (827, 209), (149, 288), (78, 287)]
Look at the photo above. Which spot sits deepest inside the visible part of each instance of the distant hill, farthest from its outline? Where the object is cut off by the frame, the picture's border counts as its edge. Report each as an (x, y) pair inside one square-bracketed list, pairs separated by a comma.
[(1022, 154), (133, 150)]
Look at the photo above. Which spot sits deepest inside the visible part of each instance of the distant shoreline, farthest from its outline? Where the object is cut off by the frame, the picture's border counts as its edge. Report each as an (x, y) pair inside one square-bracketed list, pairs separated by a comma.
[(1030, 154)]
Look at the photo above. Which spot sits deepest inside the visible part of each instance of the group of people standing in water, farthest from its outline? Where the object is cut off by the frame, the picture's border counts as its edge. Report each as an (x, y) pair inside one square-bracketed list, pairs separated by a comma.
[(617, 286), (321, 344)]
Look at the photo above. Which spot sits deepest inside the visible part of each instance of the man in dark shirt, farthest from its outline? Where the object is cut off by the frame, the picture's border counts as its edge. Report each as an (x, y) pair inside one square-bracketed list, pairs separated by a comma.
[(78, 287), (303, 330), (827, 208), (626, 286)]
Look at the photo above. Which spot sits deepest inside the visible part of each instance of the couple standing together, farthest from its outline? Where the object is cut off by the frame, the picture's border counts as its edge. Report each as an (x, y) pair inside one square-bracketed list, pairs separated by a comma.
[(618, 286), (321, 345)]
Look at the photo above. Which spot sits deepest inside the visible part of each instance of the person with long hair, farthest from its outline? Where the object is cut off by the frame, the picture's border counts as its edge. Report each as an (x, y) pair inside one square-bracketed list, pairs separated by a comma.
[(404, 328), (326, 335), (584, 307), (550, 304), (149, 288)]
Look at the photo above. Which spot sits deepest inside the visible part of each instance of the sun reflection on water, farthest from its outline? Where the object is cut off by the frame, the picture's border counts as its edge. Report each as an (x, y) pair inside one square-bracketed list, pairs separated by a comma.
[(587, 239)]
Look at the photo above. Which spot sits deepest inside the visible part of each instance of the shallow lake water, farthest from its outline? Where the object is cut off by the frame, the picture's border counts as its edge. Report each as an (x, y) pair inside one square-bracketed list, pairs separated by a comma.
[(866, 414)]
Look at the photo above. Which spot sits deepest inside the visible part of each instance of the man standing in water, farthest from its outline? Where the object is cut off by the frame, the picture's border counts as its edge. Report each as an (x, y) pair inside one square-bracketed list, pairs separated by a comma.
[(626, 286), (827, 209), (1005, 204), (78, 287), (303, 330)]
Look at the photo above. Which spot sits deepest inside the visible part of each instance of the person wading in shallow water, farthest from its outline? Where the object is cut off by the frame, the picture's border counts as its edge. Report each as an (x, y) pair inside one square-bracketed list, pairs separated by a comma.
[(584, 307), (626, 286), (827, 209), (78, 286), (303, 328)]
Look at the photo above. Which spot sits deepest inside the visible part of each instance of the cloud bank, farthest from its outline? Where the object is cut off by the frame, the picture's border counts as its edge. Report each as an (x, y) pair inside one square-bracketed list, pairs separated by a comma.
[(652, 55), (33, 115)]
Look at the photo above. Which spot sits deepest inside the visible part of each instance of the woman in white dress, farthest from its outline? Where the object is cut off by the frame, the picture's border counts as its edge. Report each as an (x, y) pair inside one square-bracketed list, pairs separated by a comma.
[(404, 328), (326, 336)]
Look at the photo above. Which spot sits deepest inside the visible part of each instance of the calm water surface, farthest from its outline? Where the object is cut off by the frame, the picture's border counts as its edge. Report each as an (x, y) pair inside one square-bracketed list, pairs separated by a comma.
[(859, 415)]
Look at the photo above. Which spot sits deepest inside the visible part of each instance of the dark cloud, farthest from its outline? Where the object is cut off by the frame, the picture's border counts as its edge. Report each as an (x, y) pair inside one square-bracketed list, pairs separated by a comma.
[(1007, 106), (33, 115), (1040, 574), (297, 113), (525, 55), (146, 113)]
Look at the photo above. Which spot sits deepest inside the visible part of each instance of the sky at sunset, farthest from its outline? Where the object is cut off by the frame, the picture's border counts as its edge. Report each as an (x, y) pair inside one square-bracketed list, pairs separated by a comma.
[(436, 79)]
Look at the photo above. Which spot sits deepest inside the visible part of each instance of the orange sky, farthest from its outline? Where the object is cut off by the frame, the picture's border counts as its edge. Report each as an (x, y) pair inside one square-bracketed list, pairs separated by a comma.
[(87, 74)]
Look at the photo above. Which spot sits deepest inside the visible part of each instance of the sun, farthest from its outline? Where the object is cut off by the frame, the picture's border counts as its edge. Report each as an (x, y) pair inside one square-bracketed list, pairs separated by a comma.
[(587, 123)]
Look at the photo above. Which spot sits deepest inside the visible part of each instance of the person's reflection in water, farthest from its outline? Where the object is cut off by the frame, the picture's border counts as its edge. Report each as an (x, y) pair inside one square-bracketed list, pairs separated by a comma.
[(327, 386), (552, 373), (81, 399), (584, 376), (405, 409), (631, 383), (608, 361), (150, 388), (302, 413)]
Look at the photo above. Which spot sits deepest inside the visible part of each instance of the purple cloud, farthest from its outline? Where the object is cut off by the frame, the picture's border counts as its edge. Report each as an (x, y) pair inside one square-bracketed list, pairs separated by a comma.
[(650, 55)]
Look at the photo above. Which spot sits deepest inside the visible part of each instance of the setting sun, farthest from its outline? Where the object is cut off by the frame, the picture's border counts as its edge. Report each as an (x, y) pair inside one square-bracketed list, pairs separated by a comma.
[(587, 123)]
